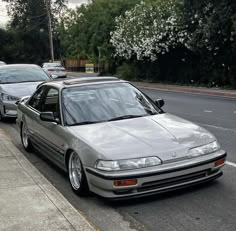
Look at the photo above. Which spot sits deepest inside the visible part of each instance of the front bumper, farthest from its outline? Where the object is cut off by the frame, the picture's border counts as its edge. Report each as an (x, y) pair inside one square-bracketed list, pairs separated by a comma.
[(8, 109), (157, 179)]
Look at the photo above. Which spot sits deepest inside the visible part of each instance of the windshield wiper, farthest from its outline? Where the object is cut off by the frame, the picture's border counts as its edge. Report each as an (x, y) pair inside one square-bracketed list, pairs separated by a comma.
[(86, 122), (126, 117)]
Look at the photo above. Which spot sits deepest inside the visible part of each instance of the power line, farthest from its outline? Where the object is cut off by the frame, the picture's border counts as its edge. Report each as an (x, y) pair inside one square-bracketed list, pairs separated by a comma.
[(34, 27), (38, 16), (36, 3)]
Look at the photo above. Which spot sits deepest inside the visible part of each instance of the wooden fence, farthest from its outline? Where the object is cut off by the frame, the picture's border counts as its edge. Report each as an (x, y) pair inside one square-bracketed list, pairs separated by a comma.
[(78, 65)]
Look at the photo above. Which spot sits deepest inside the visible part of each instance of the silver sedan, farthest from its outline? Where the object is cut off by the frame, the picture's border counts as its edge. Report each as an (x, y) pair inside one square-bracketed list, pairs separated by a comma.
[(56, 70), (114, 140), (16, 81)]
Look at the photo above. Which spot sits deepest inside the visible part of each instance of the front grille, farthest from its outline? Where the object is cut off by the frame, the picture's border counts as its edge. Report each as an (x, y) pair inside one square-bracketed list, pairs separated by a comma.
[(173, 181)]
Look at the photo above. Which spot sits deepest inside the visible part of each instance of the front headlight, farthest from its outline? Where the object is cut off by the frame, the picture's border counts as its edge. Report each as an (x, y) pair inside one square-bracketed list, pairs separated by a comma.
[(205, 149), (6, 97), (116, 165)]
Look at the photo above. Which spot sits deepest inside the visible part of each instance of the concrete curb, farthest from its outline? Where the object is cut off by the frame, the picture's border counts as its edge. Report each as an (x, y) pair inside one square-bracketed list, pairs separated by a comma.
[(61, 209), (153, 86)]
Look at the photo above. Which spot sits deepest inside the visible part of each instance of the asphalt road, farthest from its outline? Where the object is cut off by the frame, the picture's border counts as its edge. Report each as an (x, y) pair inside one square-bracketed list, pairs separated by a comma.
[(210, 207)]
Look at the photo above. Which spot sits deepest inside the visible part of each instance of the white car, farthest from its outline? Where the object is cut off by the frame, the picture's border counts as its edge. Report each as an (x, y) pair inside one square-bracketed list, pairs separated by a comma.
[(2, 63), (56, 70)]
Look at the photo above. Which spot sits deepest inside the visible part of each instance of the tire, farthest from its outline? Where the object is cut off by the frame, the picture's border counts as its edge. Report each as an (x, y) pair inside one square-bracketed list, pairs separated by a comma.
[(77, 177), (25, 138)]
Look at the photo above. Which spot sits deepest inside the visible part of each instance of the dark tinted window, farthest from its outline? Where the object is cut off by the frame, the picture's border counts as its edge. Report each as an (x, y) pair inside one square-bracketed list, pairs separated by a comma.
[(37, 98), (50, 102), (22, 74)]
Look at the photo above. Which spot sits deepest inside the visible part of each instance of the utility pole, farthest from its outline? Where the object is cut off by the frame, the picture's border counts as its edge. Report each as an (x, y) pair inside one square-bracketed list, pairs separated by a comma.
[(48, 8), (99, 59)]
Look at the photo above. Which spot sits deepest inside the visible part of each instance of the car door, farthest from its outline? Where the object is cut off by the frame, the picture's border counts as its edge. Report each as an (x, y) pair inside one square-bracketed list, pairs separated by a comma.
[(50, 134), (32, 111)]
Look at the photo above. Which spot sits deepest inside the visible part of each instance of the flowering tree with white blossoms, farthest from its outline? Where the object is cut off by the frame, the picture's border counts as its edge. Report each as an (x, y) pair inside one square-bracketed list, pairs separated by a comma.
[(152, 28), (213, 25)]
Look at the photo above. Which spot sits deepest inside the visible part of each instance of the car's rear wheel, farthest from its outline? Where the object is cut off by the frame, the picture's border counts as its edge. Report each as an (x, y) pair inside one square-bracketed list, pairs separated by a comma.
[(25, 138), (77, 176)]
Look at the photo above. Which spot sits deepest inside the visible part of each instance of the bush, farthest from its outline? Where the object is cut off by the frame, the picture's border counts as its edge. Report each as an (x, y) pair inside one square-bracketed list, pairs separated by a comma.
[(127, 71)]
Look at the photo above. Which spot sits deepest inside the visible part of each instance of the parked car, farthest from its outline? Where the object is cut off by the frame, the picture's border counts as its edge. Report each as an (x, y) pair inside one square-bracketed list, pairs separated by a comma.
[(114, 140), (2, 63), (16, 81), (56, 70)]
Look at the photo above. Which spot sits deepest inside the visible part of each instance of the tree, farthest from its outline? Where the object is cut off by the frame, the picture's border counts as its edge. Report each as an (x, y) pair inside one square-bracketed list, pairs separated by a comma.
[(29, 27), (149, 30), (86, 30), (212, 25), (200, 33)]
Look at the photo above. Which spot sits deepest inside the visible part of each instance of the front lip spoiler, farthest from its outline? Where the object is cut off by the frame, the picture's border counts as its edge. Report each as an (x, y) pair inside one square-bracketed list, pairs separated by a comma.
[(162, 191), (110, 177)]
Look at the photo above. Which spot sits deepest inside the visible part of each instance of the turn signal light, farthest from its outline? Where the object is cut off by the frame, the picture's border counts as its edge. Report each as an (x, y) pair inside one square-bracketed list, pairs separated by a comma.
[(121, 183), (219, 162)]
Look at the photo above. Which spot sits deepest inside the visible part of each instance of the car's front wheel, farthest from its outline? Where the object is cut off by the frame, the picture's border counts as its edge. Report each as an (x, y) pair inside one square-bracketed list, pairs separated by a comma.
[(77, 176), (25, 138), (1, 118)]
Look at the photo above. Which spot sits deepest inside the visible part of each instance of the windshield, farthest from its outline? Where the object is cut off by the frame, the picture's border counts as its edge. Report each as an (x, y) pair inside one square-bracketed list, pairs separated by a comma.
[(104, 102), (22, 74)]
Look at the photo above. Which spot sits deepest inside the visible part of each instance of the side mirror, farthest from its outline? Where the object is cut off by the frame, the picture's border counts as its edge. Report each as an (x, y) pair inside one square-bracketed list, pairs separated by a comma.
[(48, 117), (23, 99), (160, 102)]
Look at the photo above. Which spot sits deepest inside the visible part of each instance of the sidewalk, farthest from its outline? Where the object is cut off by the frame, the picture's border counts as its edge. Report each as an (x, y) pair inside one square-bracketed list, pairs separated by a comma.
[(28, 201), (186, 89)]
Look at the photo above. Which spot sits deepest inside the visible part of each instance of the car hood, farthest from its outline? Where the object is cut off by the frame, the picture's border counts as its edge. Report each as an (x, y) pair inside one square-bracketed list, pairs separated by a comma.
[(164, 135), (19, 89)]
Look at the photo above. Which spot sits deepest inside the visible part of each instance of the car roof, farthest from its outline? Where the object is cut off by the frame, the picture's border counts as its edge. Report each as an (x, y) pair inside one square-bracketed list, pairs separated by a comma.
[(75, 81), (52, 63), (19, 66)]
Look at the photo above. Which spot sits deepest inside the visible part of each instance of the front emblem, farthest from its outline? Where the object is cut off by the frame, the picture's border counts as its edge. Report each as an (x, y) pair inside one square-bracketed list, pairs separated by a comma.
[(174, 154)]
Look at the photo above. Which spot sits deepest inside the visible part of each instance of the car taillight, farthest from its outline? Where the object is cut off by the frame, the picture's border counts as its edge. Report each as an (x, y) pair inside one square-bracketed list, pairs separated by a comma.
[(128, 182)]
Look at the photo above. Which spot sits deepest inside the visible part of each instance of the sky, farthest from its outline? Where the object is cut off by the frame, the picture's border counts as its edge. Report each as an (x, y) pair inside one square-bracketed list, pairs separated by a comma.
[(3, 11)]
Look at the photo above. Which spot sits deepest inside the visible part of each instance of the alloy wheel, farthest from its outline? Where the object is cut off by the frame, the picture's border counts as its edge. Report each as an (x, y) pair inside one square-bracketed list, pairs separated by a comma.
[(75, 171), (25, 136)]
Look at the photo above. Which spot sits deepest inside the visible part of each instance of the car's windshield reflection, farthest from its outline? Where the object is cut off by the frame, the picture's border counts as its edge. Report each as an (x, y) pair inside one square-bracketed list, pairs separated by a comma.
[(100, 103)]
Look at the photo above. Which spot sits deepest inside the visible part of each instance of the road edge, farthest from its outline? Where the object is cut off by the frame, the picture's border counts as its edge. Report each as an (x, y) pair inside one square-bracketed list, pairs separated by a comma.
[(179, 89)]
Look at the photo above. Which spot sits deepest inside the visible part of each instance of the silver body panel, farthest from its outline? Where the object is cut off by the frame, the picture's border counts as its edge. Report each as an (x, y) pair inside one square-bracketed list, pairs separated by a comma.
[(9, 108), (56, 73), (158, 135)]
